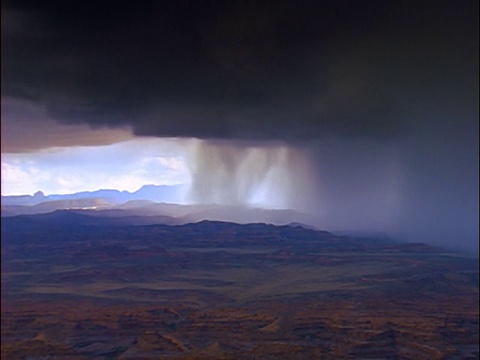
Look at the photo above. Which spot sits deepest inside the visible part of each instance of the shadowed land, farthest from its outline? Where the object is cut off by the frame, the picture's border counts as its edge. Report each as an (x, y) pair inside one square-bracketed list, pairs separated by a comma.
[(222, 290)]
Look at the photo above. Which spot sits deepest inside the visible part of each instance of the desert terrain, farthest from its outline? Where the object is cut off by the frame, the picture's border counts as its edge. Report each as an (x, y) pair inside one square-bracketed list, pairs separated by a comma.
[(76, 286)]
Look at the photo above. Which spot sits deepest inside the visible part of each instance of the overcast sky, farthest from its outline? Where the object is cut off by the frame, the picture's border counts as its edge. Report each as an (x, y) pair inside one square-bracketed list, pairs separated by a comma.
[(367, 111)]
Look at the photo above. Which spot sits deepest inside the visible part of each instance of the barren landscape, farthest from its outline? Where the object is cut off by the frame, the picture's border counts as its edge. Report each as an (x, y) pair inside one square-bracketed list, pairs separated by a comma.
[(75, 286)]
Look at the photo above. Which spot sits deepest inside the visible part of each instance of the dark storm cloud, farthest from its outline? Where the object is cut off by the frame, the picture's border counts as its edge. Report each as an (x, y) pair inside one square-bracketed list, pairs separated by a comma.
[(387, 90), (248, 70)]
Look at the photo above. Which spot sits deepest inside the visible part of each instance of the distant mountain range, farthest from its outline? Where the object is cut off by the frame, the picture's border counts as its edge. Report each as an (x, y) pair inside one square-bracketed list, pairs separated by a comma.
[(155, 193), (151, 204)]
